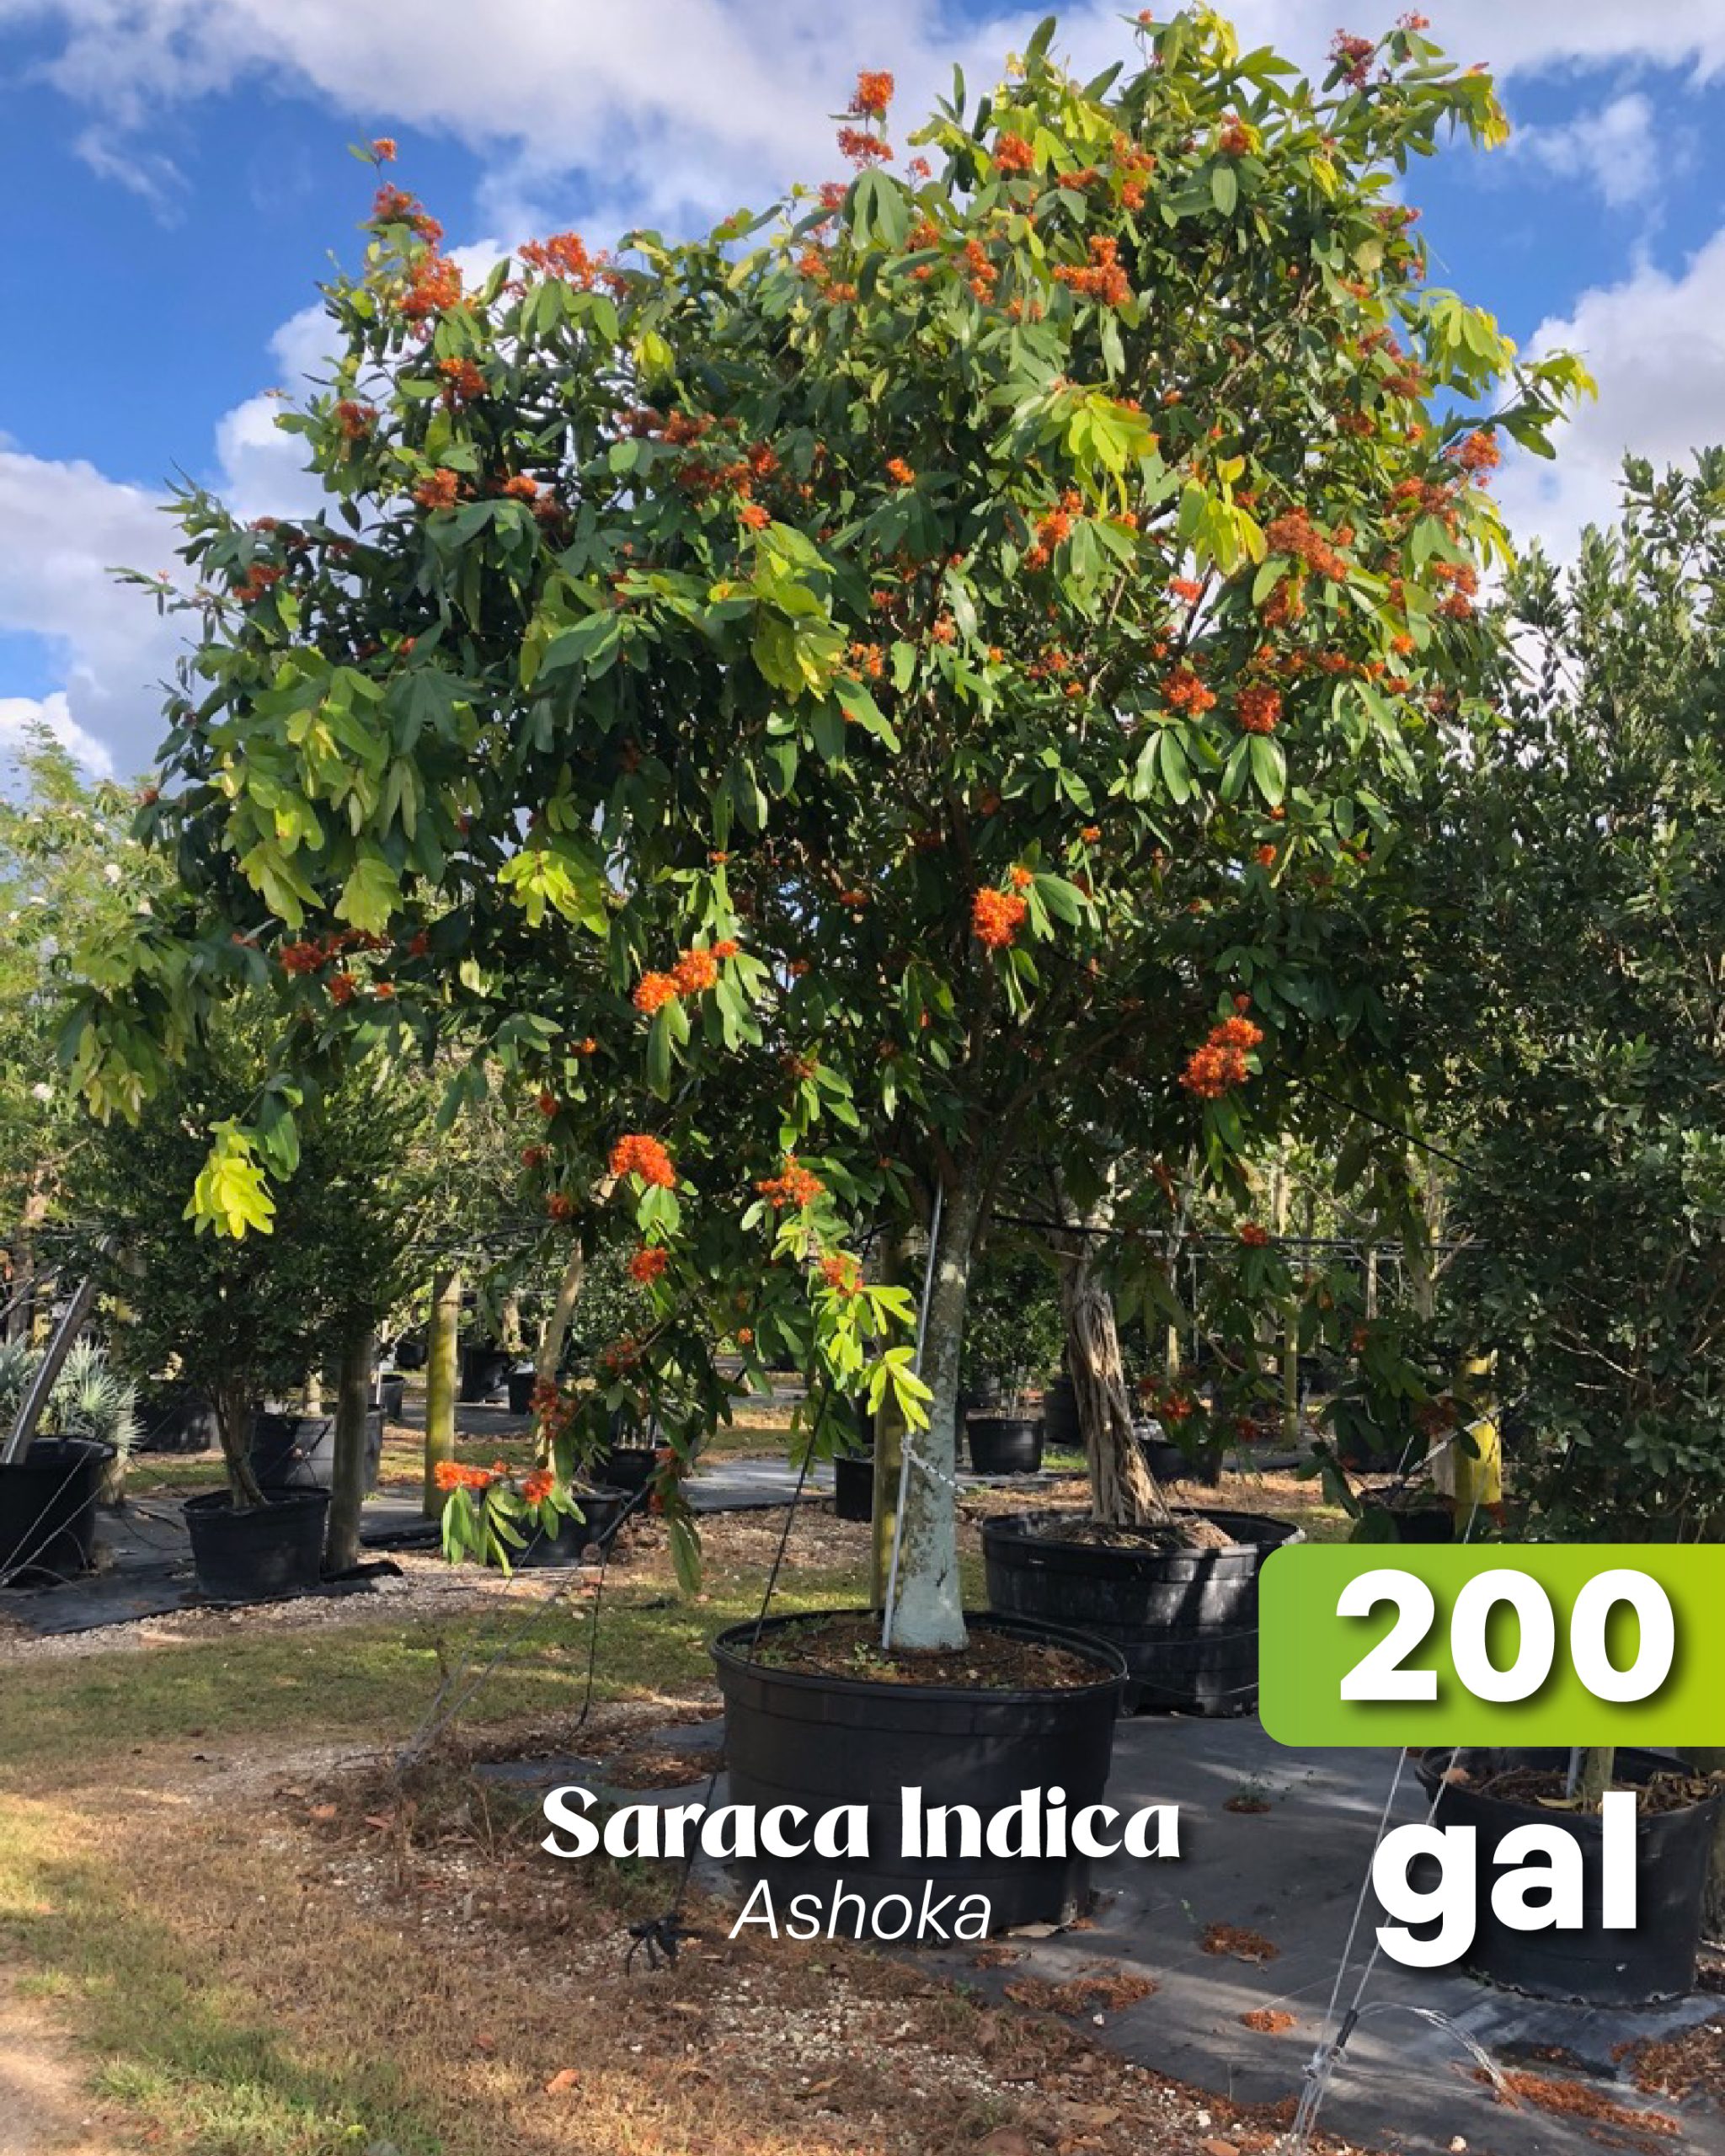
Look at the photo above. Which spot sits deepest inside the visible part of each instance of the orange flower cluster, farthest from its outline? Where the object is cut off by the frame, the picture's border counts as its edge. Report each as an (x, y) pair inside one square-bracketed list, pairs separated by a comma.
[(1463, 580), (521, 488), (1478, 451), (1294, 534), (563, 256), (654, 991), (1012, 153), (1220, 1063), (466, 381), (1186, 588), (637, 1154), (355, 420), (995, 917), (1183, 690), (863, 148), (1102, 278), (1353, 57), (452, 1474), (1253, 1236), (900, 473), (534, 1156), (1258, 708), (1236, 138), (311, 952), (538, 1486), (796, 1186), (258, 580), (1055, 526), (648, 1264), (842, 1274), (560, 1205), (394, 206), (695, 972), (435, 283), (438, 490), (755, 515), (875, 93)]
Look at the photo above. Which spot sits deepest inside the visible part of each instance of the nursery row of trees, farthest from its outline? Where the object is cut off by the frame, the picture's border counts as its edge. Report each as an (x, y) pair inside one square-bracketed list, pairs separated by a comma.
[(969, 701)]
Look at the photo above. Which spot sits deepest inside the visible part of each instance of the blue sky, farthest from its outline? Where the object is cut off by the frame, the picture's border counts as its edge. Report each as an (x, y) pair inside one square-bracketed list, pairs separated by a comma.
[(173, 178)]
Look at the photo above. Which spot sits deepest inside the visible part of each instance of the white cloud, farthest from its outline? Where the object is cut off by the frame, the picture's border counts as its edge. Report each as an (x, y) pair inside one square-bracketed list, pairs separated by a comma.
[(1614, 149), (1656, 344), (65, 527), (20, 714)]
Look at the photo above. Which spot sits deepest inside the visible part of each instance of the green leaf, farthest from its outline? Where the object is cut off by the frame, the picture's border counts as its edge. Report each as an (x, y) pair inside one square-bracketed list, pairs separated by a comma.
[(1224, 188)]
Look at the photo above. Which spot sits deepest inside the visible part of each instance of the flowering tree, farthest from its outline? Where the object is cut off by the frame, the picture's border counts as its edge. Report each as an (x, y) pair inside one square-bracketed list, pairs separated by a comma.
[(832, 705)]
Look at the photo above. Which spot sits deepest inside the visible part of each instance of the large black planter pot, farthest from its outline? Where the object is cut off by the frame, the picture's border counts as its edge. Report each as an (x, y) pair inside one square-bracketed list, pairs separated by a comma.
[(48, 1510), (819, 1742), (522, 1380), (176, 1422), (485, 1371), (1186, 1620), (392, 1395), (853, 1486), (1060, 1416), (258, 1554), (1005, 1444), (297, 1451), (1595, 1967), (603, 1514), (1171, 1463)]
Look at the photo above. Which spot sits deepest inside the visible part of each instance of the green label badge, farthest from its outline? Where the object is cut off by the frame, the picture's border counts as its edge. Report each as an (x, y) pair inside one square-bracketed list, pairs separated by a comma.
[(1493, 1643)]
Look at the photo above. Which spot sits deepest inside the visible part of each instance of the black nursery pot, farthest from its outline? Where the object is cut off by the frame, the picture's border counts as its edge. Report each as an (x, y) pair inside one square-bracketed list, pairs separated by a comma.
[(820, 1742), (48, 1510), (485, 1371), (629, 1467), (176, 1422), (1060, 1416), (1171, 1463), (1185, 1620), (522, 1380), (1006, 1445), (603, 1514), (392, 1395), (262, 1552), (297, 1451), (1595, 1967), (853, 1486)]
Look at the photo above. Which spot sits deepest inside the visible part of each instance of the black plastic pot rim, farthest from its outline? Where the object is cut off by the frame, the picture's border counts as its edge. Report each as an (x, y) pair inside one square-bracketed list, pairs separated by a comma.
[(1025, 1525), (1103, 1653), (1518, 1813), (72, 1442), (275, 1501)]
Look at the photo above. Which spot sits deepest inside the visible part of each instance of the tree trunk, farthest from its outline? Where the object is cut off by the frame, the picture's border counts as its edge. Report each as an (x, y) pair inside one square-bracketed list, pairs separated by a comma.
[(889, 1450), (928, 1609), (1710, 1759), (442, 1372), (1123, 1491), (233, 1407), (348, 1482), (556, 1327), (1597, 1765)]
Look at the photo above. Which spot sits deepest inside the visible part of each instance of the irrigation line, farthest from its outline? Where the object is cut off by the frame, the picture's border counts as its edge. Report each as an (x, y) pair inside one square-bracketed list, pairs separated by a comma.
[(1321, 2067)]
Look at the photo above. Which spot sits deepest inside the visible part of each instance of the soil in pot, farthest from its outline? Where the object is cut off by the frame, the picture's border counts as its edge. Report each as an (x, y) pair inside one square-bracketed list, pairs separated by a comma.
[(1006, 1445), (1184, 1619), (260, 1552), (297, 1451), (816, 1716), (1673, 1840), (602, 1514), (48, 1510), (853, 1486)]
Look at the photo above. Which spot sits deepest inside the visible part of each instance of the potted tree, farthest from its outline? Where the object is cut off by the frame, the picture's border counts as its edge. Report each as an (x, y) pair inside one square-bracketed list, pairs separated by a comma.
[(821, 799)]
